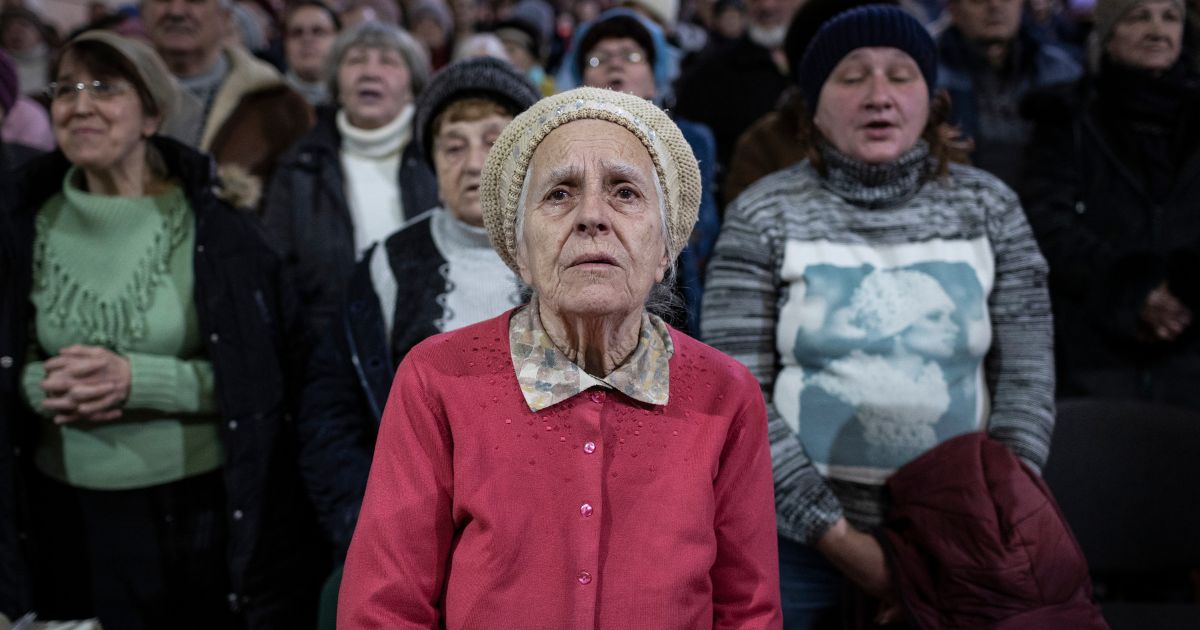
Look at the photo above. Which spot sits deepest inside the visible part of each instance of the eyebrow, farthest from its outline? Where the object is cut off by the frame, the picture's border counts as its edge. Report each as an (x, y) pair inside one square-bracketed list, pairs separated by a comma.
[(612, 170)]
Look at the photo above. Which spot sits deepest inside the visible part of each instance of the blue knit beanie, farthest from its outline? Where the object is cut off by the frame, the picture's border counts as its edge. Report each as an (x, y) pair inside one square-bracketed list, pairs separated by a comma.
[(874, 25)]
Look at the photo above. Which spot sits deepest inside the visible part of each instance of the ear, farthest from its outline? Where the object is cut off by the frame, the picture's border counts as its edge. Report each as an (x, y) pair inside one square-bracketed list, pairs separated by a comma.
[(522, 265), (660, 272), (151, 125)]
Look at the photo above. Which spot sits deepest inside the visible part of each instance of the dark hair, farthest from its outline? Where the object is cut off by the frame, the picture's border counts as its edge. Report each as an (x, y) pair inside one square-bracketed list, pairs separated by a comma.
[(615, 27), (944, 138), (104, 62), (808, 20), (296, 5)]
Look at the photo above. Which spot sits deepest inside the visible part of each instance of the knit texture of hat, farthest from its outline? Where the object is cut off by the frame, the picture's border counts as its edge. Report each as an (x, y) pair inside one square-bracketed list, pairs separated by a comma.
[(152, 72), (10, 86), (483, 77), (1108, 12), (869, 26), (508, 162)]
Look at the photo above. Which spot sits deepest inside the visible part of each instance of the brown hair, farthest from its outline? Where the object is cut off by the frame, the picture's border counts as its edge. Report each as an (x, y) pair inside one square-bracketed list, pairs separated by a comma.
[(104, 62), (468, 110), (946, 143)]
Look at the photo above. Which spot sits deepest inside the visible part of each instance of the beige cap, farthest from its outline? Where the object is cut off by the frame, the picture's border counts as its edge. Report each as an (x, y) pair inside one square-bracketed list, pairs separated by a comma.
[(152, 72), (508, 161)]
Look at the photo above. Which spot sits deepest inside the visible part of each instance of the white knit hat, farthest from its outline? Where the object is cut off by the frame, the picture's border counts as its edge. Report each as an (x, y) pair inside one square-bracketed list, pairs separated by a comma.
[(508, 161)]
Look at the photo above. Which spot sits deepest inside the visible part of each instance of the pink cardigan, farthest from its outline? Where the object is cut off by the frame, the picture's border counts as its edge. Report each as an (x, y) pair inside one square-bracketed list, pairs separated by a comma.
[(598, 512)]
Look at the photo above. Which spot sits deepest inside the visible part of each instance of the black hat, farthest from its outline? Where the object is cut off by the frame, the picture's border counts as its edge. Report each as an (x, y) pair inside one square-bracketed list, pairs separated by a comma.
[(872, 25), (481, 77)]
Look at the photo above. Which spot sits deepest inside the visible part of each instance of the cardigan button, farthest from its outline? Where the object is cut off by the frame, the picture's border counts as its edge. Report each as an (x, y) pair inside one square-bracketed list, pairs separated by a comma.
[(597, 397), (585, 578), (214, 337), (589, 448), (6, 362), (585, 510), (233, 425), (237, 515)]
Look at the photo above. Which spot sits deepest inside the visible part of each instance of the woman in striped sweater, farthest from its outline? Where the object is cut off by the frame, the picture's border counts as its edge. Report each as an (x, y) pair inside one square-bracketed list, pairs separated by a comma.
[(886, 300)]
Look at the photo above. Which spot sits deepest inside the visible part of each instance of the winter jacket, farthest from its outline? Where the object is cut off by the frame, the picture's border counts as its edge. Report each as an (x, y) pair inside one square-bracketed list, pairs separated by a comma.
[(1033, 64), (308, 217), (1111, 238), (249, 320), (974, 539)]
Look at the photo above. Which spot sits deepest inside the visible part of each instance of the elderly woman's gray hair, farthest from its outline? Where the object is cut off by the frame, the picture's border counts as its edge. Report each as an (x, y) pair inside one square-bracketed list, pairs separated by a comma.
[(379, 35)]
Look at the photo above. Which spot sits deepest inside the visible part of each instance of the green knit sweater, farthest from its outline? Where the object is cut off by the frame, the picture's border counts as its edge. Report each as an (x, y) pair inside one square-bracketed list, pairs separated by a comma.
[(117, 272)]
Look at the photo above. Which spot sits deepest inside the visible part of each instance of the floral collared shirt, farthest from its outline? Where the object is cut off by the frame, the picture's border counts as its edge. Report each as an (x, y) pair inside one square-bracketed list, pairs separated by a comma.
[(547, 377)]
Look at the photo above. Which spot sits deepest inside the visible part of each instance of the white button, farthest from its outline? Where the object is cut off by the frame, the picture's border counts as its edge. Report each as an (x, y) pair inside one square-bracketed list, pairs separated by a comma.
[(585, 578), (233, 425), (589, 448), (214, 338), (200, 249), (6, 362), (237, 515)]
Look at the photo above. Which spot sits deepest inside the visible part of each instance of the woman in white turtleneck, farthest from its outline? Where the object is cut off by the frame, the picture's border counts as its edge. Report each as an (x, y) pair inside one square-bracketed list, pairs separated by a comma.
[(357, 176)]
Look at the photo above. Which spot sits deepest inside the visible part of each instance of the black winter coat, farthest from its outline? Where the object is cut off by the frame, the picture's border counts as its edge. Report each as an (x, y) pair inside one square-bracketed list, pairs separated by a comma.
[(308, 218), (249, 320), (350, 375), (1112, 228)]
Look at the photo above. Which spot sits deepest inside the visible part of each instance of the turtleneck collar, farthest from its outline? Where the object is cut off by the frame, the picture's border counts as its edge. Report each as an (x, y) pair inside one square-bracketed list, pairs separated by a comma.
[(315, 92), (460, 235), (876, 185), (384, 142)]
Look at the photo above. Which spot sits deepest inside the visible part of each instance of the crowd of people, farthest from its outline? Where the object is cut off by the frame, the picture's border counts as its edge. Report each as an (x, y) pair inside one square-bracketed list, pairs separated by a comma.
[(388, 313)]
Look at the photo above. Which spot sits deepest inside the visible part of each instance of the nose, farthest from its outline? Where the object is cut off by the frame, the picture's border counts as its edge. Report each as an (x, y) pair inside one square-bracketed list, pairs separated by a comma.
[(879, 93), (592, 216), (476, 156), (81, 103), (176, 7)]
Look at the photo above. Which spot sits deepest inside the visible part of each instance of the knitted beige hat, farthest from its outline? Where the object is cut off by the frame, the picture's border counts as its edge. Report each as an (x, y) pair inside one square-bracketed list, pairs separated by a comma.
[(1108, 12), (151, 70), (508, 161)]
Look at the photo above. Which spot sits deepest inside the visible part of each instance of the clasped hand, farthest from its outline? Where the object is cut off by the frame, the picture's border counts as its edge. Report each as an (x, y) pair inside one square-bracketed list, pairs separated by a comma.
[(86, 383)]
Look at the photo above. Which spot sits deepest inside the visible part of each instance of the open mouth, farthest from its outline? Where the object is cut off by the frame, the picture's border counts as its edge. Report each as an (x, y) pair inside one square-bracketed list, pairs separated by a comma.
[(369, 94), (616, 85)]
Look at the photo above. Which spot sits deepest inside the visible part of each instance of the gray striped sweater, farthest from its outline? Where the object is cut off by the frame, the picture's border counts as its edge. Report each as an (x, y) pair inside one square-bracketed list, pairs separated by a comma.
[(883, 310)]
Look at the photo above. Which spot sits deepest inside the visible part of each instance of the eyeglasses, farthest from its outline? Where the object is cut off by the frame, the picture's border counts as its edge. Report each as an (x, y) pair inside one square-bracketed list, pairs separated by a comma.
[(628, 56), (101, 90)]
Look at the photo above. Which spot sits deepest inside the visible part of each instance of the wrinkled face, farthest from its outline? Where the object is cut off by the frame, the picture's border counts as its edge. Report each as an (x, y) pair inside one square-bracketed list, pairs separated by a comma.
[(459, 151), (620, 65), (1149, 36), (770, 14), (986, 20), (99, 129), (874, 105), (592, 241), (185, 26), (373, 86), (307, 39)]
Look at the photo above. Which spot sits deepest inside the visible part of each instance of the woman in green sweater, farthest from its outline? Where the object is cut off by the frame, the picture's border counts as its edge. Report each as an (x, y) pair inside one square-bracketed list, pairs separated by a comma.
[(120, 364)]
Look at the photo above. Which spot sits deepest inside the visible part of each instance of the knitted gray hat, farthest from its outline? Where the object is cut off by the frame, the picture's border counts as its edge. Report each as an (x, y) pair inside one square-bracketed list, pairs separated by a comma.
[(1108, 12), (482, 77)]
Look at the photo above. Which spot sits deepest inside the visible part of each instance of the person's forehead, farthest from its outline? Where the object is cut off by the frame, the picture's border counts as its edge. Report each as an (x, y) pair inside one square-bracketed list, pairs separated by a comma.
[(589, 138), (308, 14), (490, 122), (885, 54), (617, 42)]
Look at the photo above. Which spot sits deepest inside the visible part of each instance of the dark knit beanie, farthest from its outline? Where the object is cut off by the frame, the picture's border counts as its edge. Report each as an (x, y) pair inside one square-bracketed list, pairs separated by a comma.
[(481, 77), (10, 87), (870, 26)]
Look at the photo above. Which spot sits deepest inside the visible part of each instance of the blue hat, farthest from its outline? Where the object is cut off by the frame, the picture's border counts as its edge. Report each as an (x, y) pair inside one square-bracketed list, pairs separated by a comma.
[(874, 25)]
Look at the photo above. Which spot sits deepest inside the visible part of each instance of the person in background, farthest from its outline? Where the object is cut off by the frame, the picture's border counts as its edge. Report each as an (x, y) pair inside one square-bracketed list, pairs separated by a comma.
[(147, 358), (526, 36), (730, 87), (243, 112), (24, 123), (432, 23), (1110, 187), (309, 29), (623, 51), (436, 274), (30, 43), (990, 59), (357, 176), (886, 300), (728, 22), (574, 462), (481, 45)]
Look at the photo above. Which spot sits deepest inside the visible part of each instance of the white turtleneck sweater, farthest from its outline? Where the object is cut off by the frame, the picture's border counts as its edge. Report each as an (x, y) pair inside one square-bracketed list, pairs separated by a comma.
[(371, 164)]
